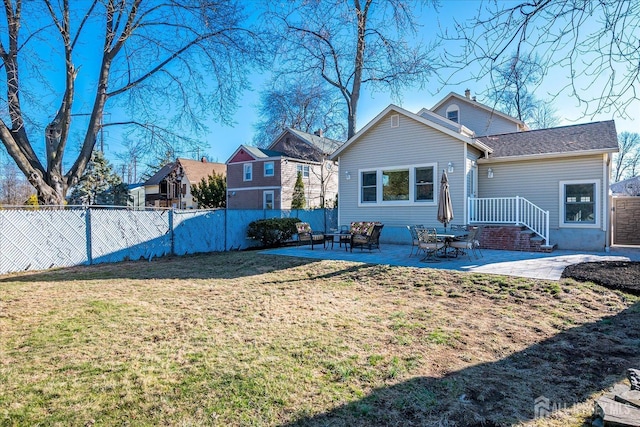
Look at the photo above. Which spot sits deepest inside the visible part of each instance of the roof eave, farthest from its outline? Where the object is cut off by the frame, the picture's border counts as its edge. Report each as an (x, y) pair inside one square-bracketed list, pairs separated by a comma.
[(557, 155)]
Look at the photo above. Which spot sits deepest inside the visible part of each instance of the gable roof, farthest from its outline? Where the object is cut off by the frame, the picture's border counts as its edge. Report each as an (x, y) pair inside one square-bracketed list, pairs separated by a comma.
[(160, 175), (629, 186), (472, 102), (256, 152), (195, 170), (589, 138), (425, 120), (325, 145)]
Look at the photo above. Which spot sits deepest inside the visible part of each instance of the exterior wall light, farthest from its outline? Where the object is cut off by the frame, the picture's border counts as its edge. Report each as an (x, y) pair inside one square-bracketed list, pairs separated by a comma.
[(489, 173), (450, 167), (347, 175)]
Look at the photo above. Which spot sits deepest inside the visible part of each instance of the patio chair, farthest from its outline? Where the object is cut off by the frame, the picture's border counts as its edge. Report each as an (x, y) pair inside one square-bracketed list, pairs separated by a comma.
[(345, 236), (415, 243), (369, 239), (429, 243), (307, 235), (466, 244)]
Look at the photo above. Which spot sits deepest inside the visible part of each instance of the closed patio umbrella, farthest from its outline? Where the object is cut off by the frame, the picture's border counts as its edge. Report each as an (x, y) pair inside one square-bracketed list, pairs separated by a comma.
[(445, 209)]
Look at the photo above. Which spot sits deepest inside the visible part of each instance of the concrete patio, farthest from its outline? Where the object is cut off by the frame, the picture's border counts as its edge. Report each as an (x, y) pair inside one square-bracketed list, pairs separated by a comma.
[(522, 264)]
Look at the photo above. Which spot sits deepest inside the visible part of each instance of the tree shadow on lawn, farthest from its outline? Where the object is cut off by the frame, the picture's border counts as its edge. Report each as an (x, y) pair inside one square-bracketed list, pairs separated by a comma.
[(215, 265), (566, 369)]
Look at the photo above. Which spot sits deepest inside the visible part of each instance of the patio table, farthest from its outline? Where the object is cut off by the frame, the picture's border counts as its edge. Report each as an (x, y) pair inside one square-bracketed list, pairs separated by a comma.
[(447, 238), (342, 238)]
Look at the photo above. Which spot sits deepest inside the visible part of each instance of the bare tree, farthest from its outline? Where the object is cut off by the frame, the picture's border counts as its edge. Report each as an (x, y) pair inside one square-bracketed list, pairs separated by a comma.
[(627, 160), (351, 43), (14, 188), (594, 43), (299, 104), (162, 65), (511, 91)]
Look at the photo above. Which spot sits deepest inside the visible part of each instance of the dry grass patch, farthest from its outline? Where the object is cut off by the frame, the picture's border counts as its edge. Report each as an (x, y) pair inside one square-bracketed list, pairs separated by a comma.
[(251, 339)]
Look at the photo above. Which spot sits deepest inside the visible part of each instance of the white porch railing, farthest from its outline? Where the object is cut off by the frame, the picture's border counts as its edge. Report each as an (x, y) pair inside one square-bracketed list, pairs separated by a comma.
[(509, 210)]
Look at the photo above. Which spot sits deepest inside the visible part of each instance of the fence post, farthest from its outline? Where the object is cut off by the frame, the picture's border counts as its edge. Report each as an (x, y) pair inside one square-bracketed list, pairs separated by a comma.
[(87, 230), (172, 234), (517, 210), (546, 229)]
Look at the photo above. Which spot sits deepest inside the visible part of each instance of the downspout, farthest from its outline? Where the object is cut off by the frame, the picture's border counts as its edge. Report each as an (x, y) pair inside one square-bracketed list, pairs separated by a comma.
[(465, 192), (607, 223), (339, 188)]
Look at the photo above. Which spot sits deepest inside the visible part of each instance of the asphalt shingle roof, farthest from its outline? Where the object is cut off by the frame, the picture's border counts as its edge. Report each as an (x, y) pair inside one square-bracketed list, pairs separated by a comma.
[(195, 170), (564, 139), (324, 144), (261, 153)]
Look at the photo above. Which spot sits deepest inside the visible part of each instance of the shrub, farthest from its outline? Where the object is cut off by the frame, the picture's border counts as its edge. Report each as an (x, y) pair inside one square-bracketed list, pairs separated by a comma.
[(272, 231)]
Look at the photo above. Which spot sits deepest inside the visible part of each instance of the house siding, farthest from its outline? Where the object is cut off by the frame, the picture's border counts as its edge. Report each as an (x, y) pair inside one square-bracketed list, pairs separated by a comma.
[(479, 120), (539, 182), (408, 144), (319, 174), (251, 191)]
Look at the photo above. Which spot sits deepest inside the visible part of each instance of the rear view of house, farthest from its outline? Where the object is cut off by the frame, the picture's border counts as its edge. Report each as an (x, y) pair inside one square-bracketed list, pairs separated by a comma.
[(531, 189)]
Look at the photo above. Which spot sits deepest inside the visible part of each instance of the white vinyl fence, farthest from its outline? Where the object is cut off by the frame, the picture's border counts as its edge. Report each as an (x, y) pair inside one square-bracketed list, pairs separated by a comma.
[(42, 239)]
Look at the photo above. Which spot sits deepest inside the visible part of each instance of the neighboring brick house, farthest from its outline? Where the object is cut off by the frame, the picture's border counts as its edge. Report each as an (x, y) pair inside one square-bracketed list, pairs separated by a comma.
[(171, 185), (260, 178)]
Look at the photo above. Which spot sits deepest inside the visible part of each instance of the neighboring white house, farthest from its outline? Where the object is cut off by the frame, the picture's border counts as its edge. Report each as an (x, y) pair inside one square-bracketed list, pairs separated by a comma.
[(171, 185), (554, 180), (627, 187)]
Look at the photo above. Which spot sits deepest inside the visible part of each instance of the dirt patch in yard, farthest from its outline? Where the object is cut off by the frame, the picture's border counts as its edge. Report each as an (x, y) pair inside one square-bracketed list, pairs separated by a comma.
[(619, 275)]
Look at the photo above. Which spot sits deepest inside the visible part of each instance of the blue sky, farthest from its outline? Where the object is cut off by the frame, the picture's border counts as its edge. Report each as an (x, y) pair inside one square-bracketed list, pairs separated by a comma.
[(224, 140)]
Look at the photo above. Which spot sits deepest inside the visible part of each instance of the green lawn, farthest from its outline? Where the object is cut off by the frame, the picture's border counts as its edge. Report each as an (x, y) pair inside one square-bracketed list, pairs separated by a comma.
[(248, 339)]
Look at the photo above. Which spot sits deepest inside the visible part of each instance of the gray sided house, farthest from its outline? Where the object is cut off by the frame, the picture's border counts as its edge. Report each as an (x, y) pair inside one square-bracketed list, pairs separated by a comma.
[(530, 189), (259, 178)]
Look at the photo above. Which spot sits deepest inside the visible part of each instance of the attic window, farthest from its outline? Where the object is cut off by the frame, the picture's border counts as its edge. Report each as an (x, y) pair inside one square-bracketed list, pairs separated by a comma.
[(395, 120), (453, 113)]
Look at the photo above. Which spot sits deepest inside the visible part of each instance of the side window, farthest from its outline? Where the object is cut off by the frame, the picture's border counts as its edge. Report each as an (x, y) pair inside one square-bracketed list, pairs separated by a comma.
[(267, 200), (424, 184), (268, 169), (368, 191), (304, 170), (579, 203), (453, 113), (248, 172)]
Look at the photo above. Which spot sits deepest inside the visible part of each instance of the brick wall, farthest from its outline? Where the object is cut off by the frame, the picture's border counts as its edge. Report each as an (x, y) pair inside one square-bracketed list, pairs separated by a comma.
[(509, 237)]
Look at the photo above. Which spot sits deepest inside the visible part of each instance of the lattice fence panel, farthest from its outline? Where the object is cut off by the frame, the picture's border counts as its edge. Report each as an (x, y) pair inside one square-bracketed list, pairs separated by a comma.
[(41, 239), (118, 235)]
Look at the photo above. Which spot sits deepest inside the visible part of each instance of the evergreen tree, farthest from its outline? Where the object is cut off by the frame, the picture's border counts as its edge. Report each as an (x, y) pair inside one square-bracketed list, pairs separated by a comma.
[(298, 201), (99, 185), (212, 192)]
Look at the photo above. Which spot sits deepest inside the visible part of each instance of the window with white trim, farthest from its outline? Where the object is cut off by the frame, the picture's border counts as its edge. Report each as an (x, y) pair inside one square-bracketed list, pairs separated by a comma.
[(424, 184), (268, 169), (401, 185), (578, 203), (247, 174), (453, 113), (395, 184), (267, 199), (304, 170), (369, 187)]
